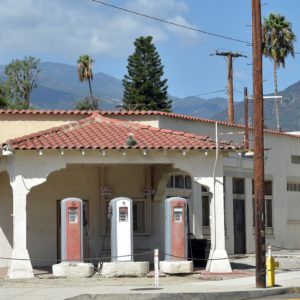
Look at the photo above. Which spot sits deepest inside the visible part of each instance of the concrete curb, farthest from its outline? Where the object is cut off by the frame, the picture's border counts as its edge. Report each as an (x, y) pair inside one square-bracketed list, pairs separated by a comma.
[(235, 295)]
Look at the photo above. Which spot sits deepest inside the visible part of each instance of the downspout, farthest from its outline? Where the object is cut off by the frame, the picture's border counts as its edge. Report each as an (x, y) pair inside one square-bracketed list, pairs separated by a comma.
[(214, 185)]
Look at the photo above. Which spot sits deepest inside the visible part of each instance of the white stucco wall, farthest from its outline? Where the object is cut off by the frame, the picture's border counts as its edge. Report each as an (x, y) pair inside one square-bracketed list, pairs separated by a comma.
[(6, 220), (278, 168), (16, 125), (75, 175)]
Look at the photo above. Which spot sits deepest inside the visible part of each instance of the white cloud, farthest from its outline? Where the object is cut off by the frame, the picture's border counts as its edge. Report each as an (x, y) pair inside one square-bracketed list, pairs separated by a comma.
[(160, 9), (187, 37), (70, 28)]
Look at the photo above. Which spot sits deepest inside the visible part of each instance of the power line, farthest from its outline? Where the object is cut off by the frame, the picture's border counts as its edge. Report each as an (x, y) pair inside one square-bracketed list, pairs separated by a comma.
[(171, 23), (206, 93)]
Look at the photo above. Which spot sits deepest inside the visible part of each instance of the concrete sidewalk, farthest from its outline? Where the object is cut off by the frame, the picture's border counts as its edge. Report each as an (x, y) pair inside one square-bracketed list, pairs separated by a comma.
[(238, 288)]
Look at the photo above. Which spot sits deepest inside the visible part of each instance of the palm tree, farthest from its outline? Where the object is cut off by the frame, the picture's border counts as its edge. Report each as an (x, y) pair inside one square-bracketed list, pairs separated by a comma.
[(85, 73), (278, 43)]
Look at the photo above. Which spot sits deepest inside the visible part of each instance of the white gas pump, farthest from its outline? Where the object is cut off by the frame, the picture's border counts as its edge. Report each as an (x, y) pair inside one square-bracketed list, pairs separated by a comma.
[(121, 229)]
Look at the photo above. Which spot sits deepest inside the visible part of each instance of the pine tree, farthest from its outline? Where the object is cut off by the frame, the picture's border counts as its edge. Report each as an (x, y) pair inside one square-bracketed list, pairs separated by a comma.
[(144, 88), (3, 96)]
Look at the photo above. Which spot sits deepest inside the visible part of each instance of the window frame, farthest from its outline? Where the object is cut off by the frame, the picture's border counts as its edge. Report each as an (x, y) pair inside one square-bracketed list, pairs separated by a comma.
[(236, 182), (172, 182), (293, 186), (295, 159), (267, 199)]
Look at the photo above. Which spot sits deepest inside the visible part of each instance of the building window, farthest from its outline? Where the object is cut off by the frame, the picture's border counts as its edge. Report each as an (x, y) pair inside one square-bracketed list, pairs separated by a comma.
[(293, 187), (268, 188), (295, 159), (178, 181), (205, 211), (268, 203), (268, 210), (188, 182), (205, 206), (139, 215), (238, 186)]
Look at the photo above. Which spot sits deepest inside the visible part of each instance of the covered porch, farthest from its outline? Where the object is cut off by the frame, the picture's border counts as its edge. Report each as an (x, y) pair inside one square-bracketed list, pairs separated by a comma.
[(92, 160)]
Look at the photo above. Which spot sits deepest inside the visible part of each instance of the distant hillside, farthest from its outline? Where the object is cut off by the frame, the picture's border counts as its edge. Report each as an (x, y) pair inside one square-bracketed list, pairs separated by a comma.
[(59, 88), (199, 107), (289, 110)]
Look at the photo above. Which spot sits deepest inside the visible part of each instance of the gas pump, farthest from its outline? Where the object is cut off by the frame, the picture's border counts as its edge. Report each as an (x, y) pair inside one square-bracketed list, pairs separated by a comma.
[(71, 229), (121, 229), (175, 229), (176, 237), (72, 264)]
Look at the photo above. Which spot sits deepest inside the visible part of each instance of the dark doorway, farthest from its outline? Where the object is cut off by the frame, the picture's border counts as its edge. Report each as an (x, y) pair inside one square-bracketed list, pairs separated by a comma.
[(239, 226)]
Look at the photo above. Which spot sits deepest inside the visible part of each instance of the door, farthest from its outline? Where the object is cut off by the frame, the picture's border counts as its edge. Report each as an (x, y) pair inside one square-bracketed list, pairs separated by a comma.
[(85, 229), (239, 226)]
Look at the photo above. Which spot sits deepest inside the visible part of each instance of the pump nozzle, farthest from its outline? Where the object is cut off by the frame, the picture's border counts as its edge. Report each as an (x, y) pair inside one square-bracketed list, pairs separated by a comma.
[(109, 212)]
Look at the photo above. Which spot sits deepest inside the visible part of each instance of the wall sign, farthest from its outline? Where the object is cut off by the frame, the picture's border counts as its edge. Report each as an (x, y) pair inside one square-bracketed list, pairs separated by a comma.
[(105, 190)]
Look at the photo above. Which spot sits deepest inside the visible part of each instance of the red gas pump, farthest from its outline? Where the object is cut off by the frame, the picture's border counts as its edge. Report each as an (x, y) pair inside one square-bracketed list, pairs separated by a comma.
[(72, 264), (72, 229), (176, 237), (175, 229)]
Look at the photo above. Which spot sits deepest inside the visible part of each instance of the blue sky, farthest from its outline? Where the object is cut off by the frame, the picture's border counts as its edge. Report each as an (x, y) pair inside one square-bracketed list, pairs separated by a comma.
[(62, 30)]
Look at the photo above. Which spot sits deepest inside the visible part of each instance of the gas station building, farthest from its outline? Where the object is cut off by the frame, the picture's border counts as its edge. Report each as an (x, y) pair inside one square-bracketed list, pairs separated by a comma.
[(48, 156)]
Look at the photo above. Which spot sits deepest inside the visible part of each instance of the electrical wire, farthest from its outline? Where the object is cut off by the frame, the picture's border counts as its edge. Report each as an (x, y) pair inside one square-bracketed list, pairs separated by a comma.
[(136, 254), (175, 24), (171, 23), (206, 93)]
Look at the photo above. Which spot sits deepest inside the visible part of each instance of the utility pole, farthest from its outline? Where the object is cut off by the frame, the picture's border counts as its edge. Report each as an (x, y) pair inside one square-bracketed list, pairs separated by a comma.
[(246, 113), (260, 242), (230, 55)]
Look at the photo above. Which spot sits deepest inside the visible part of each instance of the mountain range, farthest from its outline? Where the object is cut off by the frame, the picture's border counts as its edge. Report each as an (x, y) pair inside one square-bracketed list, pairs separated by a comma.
[(59, 88)]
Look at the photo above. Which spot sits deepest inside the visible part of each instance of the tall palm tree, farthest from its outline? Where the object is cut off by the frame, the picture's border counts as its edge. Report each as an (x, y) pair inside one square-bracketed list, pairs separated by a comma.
[(85, 72), (278, 43)]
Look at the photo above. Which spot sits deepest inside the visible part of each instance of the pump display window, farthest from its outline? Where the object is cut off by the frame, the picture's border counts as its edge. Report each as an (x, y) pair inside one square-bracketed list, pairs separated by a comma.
[(138, 215)]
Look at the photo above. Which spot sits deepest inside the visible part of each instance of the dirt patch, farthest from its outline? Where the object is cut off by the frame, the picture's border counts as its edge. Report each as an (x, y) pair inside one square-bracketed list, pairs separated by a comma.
[(3, 272)]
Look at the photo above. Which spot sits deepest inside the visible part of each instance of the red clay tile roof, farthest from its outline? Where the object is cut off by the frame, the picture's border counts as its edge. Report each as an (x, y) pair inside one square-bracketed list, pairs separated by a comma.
[(99, 132), (44, 112), (143, 112)]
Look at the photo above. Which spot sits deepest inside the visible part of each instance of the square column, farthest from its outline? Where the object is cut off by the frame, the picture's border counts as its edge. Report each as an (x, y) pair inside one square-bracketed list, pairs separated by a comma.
[(218, 258), (20, 266)]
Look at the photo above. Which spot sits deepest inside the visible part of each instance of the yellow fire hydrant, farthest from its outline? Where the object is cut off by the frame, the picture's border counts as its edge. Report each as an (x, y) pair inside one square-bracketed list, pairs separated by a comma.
[(271, 264)]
